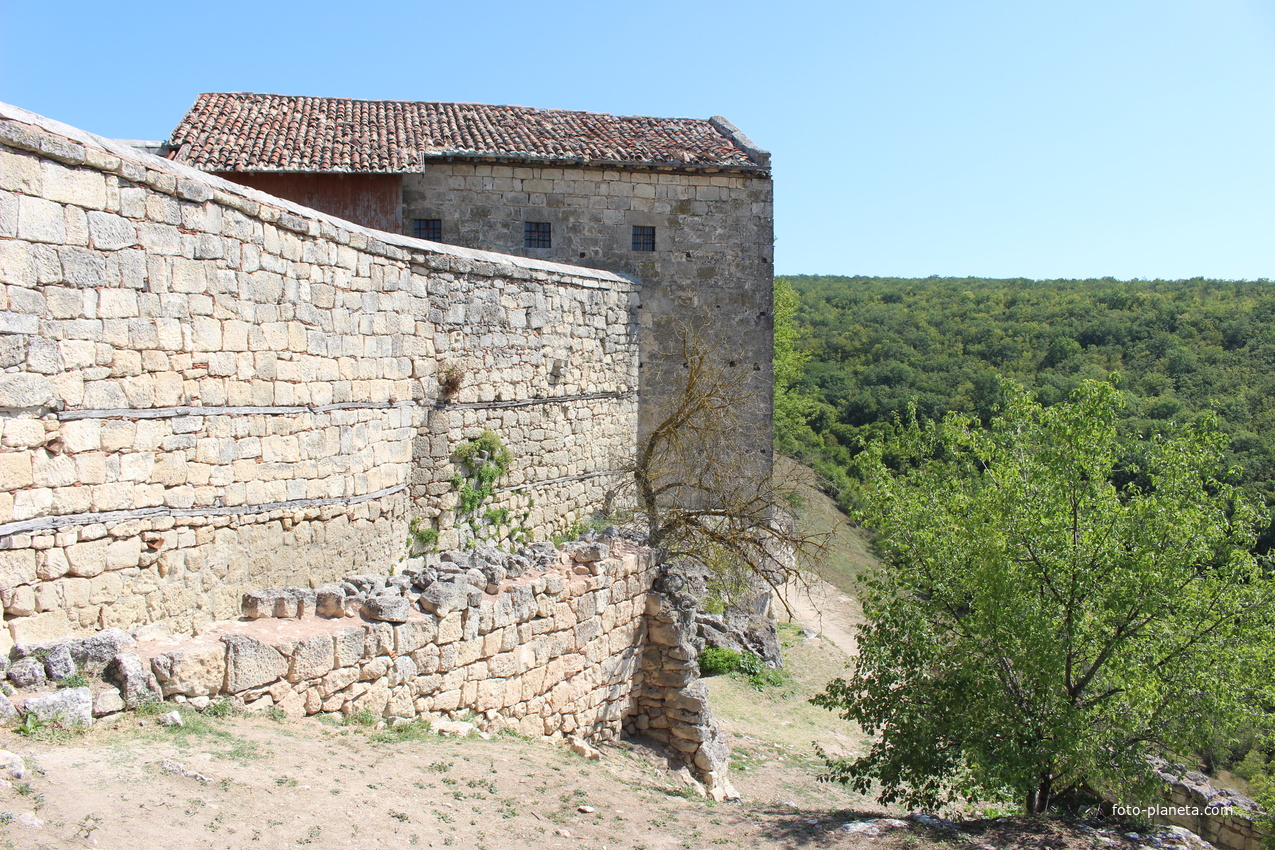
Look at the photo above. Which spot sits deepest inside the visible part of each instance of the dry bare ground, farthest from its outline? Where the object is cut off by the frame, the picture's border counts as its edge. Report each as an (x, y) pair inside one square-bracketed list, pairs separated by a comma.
[(246, 782)]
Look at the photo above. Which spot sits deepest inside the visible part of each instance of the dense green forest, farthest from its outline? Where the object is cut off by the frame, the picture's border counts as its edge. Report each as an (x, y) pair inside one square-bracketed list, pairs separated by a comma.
[(853, 352)]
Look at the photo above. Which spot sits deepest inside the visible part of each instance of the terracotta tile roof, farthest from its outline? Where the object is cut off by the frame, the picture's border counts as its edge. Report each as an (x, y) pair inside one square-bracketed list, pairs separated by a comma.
[(267, 132)]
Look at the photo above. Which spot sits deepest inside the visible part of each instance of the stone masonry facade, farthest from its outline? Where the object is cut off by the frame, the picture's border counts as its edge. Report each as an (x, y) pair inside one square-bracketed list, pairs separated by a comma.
[(710, 270), (559, 185), (208, 390)]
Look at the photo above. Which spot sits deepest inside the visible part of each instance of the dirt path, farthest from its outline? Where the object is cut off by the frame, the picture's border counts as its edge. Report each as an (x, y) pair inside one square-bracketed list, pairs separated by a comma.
[(825, 610)]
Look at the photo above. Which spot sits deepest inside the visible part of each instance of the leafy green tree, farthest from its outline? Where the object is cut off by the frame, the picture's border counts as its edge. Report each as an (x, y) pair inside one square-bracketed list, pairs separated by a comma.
[(1034, 628)]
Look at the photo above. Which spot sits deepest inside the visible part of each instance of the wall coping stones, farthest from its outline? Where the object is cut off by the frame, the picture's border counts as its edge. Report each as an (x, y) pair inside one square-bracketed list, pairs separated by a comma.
[(192, 184)]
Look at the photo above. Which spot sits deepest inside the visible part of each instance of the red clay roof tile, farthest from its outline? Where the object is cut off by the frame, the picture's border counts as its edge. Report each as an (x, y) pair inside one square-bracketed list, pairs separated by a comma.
[(266, 132)]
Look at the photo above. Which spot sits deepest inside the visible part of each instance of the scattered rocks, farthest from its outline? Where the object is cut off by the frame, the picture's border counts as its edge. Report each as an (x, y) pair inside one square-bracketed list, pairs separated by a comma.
[(172, 718), (583, 748), (178, 769), (8, 714), (12, 766)]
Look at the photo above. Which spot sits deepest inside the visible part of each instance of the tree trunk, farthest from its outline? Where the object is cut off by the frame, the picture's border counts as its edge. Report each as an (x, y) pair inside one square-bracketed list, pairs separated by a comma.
[(1037, 802)]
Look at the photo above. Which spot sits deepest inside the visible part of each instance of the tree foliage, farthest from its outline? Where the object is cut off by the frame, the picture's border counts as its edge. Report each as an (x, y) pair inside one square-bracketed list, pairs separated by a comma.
[(1184, 350), (1049, 607)]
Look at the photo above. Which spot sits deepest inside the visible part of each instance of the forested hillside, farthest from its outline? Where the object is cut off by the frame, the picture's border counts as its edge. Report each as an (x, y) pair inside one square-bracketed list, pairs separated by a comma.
[(853, 352)]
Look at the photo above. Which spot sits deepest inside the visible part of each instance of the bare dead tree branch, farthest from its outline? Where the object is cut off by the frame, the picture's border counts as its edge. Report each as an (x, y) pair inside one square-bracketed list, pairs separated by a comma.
[(700, 491)]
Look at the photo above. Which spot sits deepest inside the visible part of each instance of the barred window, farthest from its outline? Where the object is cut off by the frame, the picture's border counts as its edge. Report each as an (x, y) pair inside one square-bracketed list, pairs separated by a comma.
[(643, 238), (537, 234), (428, 228)]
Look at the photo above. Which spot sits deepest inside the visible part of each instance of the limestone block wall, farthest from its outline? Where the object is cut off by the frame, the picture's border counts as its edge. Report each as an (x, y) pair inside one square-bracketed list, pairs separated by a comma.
[(207, 390), (551, 652), (712, 268)]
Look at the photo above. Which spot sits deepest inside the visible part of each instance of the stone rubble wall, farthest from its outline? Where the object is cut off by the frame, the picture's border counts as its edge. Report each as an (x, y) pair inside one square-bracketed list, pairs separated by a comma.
[(576, 642), (672, 703), (1221, 816), (207, 390), (552, 652)]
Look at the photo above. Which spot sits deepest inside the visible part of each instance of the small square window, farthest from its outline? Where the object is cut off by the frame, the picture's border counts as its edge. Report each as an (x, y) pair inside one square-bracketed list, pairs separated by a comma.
[(643, 238), (537, 234), (428, 228)]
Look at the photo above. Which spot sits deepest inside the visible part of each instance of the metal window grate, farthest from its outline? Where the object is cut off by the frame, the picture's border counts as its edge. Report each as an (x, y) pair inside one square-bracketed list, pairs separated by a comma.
[(428, 228), (537, 234), (643, 238)]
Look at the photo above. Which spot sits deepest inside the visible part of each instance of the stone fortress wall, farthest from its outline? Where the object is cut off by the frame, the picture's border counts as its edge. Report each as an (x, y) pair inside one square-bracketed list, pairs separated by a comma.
[(208, 390), (712, 269)]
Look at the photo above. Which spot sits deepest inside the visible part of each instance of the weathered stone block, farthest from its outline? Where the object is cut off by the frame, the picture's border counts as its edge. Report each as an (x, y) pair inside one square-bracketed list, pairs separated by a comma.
[(251, 663), (68, 707), (312, 658), (413, 634), (197, 669), (388, 609), (348, 646), (133, 678)]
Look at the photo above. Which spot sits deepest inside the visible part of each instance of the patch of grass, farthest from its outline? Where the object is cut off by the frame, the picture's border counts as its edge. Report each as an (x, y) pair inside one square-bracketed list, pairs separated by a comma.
[(362, 717), (440, 766), (417, 730), (75, 681), (45, 731), (277, 714), (220, 708), (150, 706), (715, 661)]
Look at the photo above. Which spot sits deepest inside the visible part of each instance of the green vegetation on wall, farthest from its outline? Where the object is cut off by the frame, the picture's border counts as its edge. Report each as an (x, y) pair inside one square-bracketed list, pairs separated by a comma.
[(483, 461)]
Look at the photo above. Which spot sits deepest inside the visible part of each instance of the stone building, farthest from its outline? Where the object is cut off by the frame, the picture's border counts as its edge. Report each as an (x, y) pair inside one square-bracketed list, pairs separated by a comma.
[(683, 205)]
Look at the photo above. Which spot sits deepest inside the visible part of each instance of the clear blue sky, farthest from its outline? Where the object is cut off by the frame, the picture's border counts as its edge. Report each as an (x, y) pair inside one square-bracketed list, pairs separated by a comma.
[(1033, 138)]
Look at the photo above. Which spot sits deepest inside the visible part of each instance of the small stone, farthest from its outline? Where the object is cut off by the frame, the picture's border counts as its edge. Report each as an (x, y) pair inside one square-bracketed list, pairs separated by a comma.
[(455, 728), (581, 747), (11, 765), (178, 769), (29, 819), (172, 718), (585, 810), (107, 701)]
